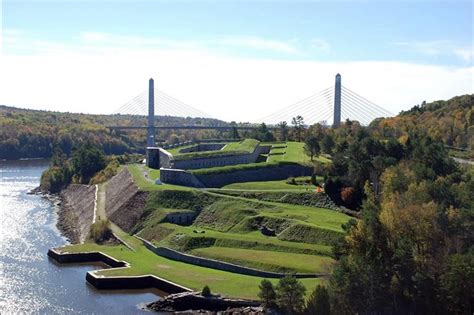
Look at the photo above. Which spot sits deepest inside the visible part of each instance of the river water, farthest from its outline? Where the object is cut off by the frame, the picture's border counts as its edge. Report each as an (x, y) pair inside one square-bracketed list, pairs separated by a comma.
[(29, 281)]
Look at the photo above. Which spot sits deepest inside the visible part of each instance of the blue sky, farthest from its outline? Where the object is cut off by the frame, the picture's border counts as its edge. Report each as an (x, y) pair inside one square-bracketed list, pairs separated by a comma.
[(433, 38)]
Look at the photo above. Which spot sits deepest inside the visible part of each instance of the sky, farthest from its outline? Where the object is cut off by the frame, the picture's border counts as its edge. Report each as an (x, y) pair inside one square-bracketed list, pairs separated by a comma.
[(235, 60)]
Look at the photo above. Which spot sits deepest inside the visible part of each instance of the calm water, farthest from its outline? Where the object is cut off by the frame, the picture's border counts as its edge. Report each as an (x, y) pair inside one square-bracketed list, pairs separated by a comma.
[(29, 281)]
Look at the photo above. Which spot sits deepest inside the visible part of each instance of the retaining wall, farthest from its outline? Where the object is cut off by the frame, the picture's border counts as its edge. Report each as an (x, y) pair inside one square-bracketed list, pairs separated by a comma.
[(65, 258), (254, 175), (124, 202), (221, 160), (166, 158), (116, 282), (216, 264), (185, 178), (179, 177)]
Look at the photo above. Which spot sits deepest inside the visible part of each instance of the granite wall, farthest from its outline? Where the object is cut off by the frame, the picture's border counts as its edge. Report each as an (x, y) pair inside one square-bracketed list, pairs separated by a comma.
[(221, 160), (216, 264), (185, 178)]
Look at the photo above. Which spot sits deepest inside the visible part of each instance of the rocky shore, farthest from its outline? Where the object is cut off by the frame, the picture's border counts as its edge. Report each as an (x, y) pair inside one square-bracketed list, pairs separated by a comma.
[(194, 303), (77, 211)]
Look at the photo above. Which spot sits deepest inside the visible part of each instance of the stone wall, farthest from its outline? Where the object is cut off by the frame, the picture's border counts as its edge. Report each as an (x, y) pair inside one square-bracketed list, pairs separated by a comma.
[(254, 175), (184, 178), (116, 282), (179, 177), (166, 159), (153, 157), (77, 211), (221, 160), (181, 217), (216, 264), (124, 202)]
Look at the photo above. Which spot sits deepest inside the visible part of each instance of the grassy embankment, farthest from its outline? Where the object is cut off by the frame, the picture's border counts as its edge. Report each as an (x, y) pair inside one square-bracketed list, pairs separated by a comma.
[(282, 153), (243, 147), (227, 228)]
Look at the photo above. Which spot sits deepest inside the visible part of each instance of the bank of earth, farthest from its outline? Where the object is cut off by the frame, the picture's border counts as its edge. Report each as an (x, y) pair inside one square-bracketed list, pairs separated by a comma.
[(246, 230)]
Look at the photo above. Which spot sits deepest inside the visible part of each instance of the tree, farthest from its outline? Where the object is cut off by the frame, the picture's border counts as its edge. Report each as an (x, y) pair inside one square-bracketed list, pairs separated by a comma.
[(318, 302), (267, 293), (283, 130), (262, 133), (327, 144), (298, 126), (290, 295), (86, 161), (206, 291), (311, 147)]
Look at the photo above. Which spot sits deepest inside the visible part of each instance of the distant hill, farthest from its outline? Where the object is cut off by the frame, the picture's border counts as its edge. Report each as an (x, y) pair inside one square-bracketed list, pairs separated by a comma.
[(26, 133), (450, 121)]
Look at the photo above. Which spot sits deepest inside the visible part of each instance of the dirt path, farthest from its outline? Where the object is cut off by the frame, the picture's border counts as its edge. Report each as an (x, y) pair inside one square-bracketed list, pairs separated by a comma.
[(100, 214)]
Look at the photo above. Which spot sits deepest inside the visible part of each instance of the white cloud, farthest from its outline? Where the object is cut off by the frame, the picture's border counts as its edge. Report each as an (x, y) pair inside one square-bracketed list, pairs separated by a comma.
[(259, 44), (438, 48), (320, 45), (100, 78)]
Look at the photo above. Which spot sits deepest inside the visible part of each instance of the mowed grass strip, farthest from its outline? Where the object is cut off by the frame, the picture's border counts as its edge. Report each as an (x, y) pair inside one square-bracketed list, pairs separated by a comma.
[(145, 262), (294, 152), (247, 145), (269, 185), (149, 185), (268, 260)]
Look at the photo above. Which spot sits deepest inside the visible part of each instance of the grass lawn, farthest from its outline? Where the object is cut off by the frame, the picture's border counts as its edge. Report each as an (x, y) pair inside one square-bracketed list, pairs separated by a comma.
[(144, 184), (294, 152), (247, 145), (256, 239), (272, 185), (268, 260), (144, 262)]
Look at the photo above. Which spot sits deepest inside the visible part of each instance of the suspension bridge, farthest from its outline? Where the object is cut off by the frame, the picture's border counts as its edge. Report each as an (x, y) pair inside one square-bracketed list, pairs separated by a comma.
[(333, 104)]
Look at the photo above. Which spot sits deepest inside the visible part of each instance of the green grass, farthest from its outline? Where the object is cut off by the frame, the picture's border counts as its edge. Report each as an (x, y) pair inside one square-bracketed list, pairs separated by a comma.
[(272, 185), (294, 152), (147, 185), (232, 148), (239, 167), (247, 145), (254, 240), (267, 260), (144, 262)]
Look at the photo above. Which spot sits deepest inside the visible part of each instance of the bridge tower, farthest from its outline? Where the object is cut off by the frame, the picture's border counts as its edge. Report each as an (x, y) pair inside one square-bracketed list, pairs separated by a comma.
[(337, 102), (150, 137)]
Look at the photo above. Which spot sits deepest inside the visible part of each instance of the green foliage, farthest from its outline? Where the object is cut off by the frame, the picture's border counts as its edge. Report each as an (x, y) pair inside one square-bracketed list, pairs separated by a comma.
[(298, 127), (262, 133), (311, 147), (224, 214), (86, 161), (206, 291), (240, 167), (458, 283), (290, 295), (318, 302), (267, 294), (450, 121), (308, 234), (100, 231)]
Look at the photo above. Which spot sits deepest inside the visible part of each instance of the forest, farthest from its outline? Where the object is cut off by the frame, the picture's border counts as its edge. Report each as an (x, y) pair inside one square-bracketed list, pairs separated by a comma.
[(28, 133)]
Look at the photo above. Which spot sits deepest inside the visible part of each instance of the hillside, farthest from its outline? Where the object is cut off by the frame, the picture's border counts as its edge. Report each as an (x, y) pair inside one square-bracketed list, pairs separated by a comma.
[(29, 133), (451, 122)]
